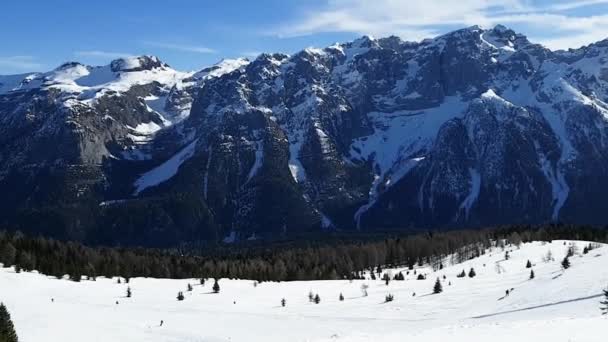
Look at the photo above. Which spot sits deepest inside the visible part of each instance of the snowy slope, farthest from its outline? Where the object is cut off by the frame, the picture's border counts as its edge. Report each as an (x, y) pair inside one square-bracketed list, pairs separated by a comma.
[(555, 306)]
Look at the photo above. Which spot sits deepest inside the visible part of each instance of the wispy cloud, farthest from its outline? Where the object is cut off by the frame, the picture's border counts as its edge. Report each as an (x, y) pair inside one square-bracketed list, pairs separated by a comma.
[(414, 20), (181, 47), (28, 63), (102, 54), (576, 4)]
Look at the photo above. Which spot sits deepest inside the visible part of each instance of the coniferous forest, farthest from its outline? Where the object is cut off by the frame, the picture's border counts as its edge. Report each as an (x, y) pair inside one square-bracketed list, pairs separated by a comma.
[(330, 258)]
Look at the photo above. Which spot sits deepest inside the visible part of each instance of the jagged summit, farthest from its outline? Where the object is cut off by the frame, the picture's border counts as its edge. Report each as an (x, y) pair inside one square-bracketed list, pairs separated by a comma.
[(137, 63)]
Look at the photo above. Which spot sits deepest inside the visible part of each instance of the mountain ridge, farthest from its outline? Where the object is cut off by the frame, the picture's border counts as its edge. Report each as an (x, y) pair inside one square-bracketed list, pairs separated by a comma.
[(474, 127)]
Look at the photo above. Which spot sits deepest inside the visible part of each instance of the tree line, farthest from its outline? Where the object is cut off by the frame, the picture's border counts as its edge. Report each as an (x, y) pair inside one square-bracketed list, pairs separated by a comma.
[(308, 260)]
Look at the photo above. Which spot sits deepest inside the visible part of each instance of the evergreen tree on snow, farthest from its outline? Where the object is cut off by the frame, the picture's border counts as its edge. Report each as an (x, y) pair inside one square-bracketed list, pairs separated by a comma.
[(532, 274), (566, 263), (462, 274), (438, 287), (570, 251), (317, 299), (216, 287), (386, 278), (283, 302), (189, 287), (528, 264), (472, 273), (311, 297), (129, 292), (605, 303), (180, 296), (389, 298), (203, 281), (7, 330), (341, 297), (364, 288)]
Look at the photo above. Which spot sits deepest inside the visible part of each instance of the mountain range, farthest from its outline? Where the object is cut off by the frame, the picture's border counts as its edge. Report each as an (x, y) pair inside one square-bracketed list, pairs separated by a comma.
[(473, 128)]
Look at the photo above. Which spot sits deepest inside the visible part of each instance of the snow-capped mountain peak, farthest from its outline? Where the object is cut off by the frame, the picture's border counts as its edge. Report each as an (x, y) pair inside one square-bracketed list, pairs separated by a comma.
[(474, 127)]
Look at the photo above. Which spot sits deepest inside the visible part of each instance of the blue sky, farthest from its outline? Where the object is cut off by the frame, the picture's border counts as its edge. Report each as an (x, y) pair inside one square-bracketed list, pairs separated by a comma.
[(39, 35)]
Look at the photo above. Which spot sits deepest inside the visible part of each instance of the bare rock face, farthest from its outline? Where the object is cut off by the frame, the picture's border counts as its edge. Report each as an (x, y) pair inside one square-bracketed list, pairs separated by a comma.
[(475, 127)]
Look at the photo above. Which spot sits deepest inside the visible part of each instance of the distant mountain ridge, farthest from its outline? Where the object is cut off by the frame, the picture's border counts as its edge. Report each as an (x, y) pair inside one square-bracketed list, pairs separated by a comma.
[(474, 127)]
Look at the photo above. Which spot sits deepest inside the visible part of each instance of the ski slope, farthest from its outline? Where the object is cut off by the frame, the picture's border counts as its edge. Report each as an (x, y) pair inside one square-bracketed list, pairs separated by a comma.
[(555, 306)]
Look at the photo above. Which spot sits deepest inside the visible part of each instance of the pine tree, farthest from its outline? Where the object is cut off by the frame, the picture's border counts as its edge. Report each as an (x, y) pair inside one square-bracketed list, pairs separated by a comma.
[(317, 299), (189, 287), (180, 296), (472, 273), (364, 288), (7, 330), (529, 264), (203, 281), (532, 274), (129, 292), (605, 303), (311, 297), (570, 251), (216, 287), (438, 287), (389, 298), (283, 302), (462, 274), (341, 297), (566, 263), (421, 277), (386, 278)]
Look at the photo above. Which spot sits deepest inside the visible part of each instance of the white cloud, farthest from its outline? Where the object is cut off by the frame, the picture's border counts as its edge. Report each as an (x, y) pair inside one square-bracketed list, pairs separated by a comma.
[(102, 54), (19, 63), (180, 47), (551, 23)]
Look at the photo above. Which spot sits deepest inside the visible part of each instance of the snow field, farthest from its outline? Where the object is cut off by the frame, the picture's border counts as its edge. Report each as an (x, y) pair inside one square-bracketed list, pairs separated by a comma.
[(555, 306)]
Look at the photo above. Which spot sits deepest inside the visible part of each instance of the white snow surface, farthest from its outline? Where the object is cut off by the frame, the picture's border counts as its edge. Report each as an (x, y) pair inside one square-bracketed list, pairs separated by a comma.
[(166, 170), (555, 306)]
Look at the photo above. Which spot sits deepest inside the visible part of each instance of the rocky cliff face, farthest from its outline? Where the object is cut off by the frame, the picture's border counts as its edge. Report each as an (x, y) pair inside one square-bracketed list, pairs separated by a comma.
[(476, 127)]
